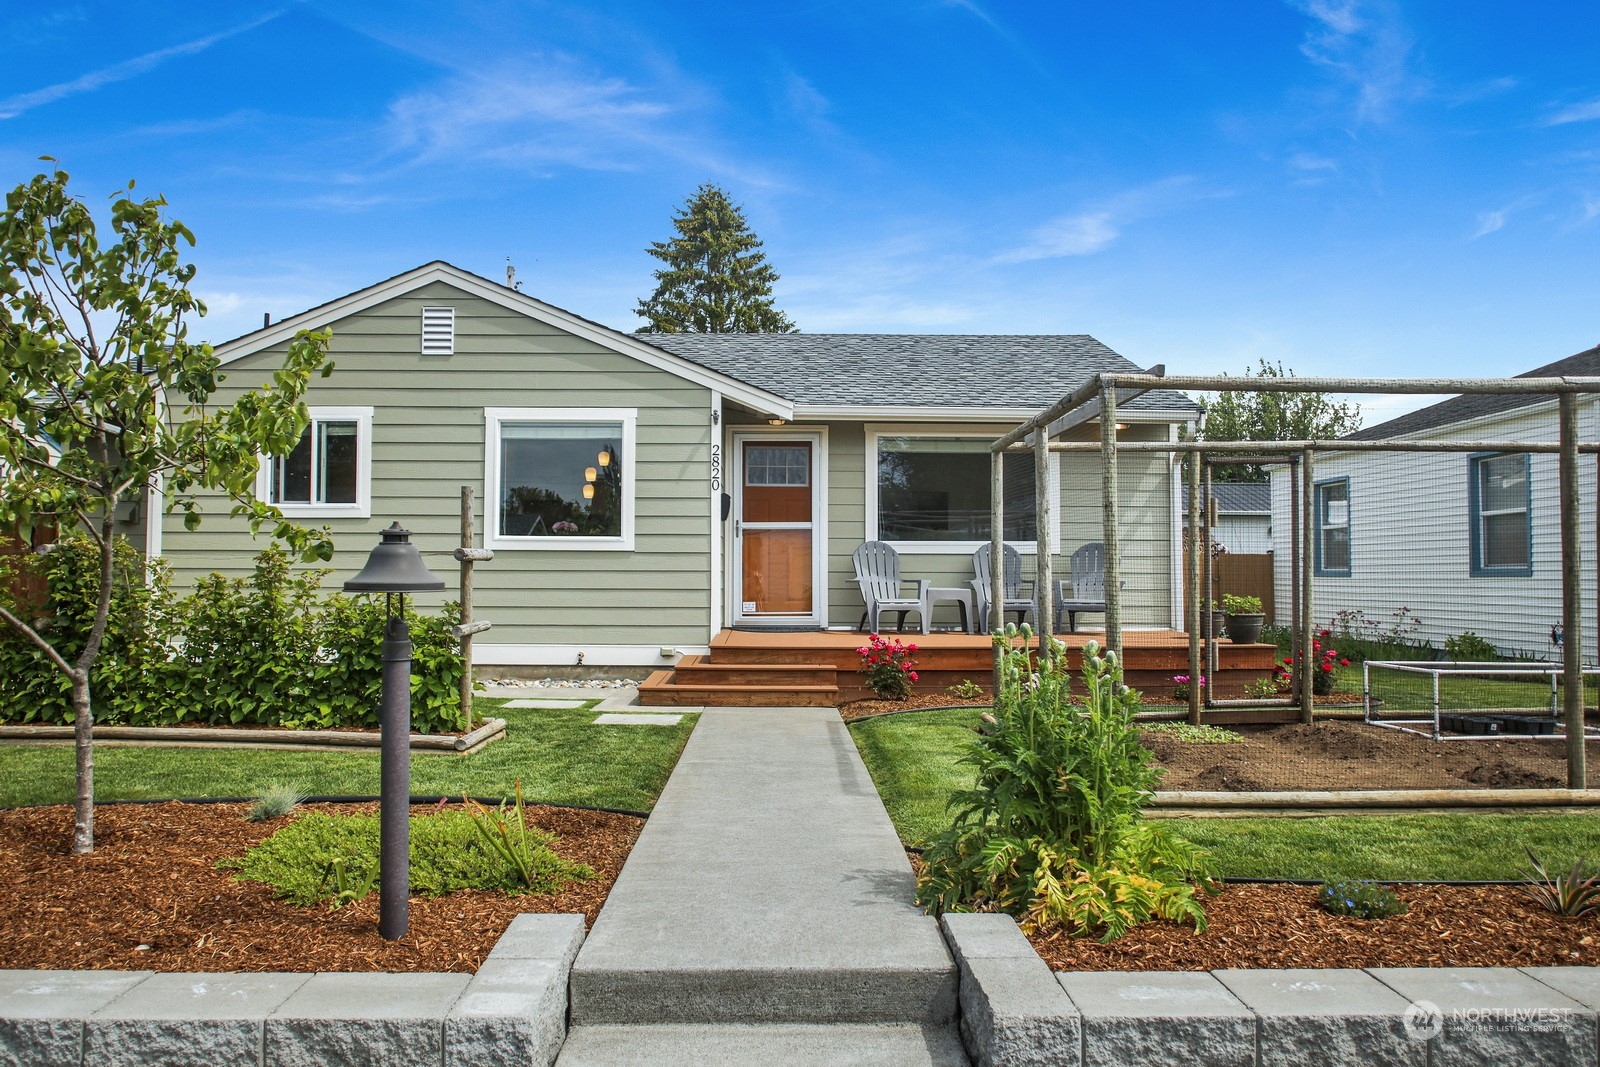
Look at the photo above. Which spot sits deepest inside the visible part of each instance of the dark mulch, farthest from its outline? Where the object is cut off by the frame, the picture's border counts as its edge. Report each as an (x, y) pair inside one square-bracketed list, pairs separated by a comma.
[(152, 881), (861, 709), (1278, 926)]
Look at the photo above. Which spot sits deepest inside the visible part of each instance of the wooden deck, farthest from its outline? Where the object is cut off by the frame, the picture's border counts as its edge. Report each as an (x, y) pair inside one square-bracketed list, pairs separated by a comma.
[(821, 669)]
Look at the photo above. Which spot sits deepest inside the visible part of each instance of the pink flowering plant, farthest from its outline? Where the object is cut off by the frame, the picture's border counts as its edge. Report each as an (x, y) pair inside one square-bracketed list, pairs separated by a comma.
[(888, 665), (1180, 686)]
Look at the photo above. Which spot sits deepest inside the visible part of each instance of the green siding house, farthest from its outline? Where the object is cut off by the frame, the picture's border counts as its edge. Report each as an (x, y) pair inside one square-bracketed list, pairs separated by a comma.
[(643, 492)]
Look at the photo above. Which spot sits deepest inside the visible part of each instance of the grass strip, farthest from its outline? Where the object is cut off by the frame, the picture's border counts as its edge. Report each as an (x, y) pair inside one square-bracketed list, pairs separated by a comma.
[(560, 755)]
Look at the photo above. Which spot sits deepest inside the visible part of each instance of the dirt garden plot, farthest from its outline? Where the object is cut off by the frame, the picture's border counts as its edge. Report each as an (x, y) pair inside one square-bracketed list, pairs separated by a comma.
[(1351, 755), (150, 897)]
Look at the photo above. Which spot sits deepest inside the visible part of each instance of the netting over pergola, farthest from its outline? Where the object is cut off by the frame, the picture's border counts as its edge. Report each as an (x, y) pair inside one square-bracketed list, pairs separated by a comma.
[(1096, 402)]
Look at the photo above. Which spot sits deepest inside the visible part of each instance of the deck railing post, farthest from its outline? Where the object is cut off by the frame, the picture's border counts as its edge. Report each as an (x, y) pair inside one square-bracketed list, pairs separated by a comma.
[(1108, 513), (1572, 595)]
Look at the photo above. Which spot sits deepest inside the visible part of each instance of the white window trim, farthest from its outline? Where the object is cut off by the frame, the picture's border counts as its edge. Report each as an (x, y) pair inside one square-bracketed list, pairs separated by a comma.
[(362, 508), (952, 548), (494, 418)]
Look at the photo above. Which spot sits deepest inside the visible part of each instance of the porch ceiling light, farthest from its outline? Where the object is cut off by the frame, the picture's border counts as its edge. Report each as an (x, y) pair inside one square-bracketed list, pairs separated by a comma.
[(776, 422)]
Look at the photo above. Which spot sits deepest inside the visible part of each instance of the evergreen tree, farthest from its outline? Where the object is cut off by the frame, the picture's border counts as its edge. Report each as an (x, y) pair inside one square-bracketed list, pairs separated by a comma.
[(716, 278), (1240, 416)]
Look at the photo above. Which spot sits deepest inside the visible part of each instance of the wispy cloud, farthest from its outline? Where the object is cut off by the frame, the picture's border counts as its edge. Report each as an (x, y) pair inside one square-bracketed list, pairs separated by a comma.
[(1365, 44), (1588, 111), (552, 110), (1096, 226), (1311, 169), (16, 105), (978, 12), (1489, 222)]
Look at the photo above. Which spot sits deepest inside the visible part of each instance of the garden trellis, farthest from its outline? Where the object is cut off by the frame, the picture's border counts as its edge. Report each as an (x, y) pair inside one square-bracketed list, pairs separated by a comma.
[(1097, 400)]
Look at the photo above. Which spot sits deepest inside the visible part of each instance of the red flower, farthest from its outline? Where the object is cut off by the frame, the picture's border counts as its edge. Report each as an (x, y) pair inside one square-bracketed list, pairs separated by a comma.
[(1328, 667), (1288, 659), (913, 676), (1344, 663)]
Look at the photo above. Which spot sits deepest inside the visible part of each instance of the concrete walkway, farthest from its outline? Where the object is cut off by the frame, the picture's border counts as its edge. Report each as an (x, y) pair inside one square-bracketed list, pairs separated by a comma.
[(767, 904)]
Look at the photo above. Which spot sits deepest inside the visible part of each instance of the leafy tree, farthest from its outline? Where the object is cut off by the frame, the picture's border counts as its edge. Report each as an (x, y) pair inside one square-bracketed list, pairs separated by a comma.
[(103, 395), (716, 278), (1241, 416)]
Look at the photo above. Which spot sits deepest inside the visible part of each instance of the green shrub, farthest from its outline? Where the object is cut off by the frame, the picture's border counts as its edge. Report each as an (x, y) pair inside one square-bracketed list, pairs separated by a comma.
[(1052, 830), (319, 857), (1234, 604), (1360, 900), (1470, 648), (267, 650)]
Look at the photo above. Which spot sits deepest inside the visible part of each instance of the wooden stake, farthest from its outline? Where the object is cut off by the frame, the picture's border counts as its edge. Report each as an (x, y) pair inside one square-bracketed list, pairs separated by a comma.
[(467, 538), (1043, 569), (1108, 514), (1196, 594), (1306, 659), (1571, 596)]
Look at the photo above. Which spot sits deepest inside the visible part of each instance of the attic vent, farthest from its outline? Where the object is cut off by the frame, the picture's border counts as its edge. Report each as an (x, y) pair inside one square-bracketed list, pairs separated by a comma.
[(439, 331)]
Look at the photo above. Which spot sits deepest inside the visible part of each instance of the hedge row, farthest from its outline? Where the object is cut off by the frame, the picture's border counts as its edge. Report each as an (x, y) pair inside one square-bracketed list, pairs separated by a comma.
[(267, 650)]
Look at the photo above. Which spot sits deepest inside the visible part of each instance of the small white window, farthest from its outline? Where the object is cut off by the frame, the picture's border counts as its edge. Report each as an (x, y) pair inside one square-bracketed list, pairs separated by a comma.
[(328, 474), (560, 478), (439, 331)]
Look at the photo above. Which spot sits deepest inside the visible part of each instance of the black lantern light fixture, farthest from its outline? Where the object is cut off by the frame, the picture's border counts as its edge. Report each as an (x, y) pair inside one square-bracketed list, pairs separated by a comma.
[(395, 568)]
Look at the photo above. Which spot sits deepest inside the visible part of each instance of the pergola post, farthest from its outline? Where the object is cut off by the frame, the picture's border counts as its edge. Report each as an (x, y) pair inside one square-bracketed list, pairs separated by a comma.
[(997, 555), (1108, 513), (1571, 596), (1192, 606), (1308, 625), (1043, 569)]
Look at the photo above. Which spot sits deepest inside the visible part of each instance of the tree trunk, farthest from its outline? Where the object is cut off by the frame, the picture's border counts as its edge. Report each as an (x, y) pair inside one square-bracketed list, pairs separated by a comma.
[(83, 737)]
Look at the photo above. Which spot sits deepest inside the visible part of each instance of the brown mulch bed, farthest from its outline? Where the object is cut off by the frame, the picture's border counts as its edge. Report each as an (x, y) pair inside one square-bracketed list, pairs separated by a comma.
[(1279, 926), (1353, 755), (150, 897), (860, 709)]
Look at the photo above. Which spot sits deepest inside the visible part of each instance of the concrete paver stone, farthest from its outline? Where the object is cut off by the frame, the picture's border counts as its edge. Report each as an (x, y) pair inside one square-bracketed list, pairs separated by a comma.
[(208, 1020), (42, 1012), (1168, 1017), (1492, 1015), (364, 1020), (1331, 1016)]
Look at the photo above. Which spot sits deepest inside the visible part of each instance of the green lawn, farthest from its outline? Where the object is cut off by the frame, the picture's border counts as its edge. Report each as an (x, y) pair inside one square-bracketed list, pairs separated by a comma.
[(560, 756), (913, 760)]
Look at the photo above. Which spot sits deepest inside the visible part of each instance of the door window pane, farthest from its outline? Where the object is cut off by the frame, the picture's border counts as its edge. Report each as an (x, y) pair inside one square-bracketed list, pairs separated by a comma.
[(561, 479), (777, 465), (937, 489)]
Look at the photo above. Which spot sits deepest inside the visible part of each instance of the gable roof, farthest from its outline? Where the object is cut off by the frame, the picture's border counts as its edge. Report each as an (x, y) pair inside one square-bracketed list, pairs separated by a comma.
[(1004, 372), (1238, 498), (1474, 406), (476, 285)]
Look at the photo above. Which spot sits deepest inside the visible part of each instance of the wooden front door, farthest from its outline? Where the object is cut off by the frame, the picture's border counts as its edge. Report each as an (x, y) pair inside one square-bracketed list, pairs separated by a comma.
[(775, 529)]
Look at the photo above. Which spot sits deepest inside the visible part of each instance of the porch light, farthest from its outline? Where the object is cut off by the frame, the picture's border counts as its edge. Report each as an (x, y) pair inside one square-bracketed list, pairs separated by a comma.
[(395, 567), (590, 474), (588, 490), (776, 422)]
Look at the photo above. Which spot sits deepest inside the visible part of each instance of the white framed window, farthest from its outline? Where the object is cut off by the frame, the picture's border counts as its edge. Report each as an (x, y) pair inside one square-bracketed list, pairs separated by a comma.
[(559, 479), (328, 474), (1500, 499), (929, 491)]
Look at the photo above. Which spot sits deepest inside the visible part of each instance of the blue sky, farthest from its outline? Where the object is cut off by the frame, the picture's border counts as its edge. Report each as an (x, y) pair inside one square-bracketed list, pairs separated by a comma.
[(1348, 186)]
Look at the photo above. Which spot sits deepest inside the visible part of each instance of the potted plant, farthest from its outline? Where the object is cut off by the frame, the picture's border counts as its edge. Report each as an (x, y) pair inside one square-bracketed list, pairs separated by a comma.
[(1216, 619), (1244, 618)]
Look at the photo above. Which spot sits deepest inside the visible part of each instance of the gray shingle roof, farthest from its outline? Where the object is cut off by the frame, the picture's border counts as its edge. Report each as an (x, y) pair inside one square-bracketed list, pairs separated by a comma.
[(932, 370), (1472, 406), (1238, 498)]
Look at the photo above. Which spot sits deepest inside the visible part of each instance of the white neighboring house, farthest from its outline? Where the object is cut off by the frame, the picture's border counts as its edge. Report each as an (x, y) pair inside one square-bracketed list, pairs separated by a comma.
[(1466, 542), (1244, 516)]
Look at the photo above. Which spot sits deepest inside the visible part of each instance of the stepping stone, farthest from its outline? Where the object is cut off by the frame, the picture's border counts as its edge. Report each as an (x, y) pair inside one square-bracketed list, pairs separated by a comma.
[(622, 718), (548, 703)]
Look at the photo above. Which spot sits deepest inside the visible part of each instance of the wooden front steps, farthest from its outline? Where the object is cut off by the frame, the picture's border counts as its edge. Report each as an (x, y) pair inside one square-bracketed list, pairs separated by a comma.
[(749, 668)]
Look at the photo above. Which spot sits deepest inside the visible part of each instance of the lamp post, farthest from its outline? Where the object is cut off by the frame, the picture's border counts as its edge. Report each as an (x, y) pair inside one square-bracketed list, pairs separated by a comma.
[(395, 567)]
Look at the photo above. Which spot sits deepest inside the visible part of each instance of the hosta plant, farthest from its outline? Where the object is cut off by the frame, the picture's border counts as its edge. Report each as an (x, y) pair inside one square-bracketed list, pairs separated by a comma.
[(1052, 830)]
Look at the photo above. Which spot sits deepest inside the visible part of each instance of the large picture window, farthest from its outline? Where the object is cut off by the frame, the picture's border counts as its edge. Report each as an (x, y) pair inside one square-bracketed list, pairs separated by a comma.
[(936, 489), (328, 473), (1333, 528), (561, 478), (1501, 504)]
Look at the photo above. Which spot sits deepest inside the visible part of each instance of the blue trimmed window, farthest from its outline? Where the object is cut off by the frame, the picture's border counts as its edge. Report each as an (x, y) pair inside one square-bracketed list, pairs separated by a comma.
[(1500, 501), (1333, 528)]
